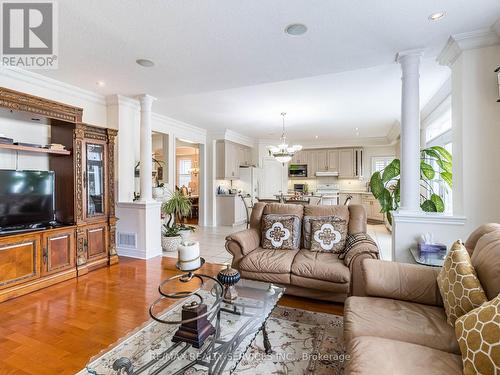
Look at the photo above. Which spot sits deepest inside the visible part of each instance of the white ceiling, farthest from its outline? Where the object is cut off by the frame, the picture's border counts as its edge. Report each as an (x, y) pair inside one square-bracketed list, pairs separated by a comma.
[(228, 63)]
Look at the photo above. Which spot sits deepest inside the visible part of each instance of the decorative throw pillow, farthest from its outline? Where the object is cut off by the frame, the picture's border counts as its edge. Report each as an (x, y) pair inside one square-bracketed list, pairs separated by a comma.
[(458, 284), (478, 335), (354, 240), (328, 235), (307, 230), (280, 232)]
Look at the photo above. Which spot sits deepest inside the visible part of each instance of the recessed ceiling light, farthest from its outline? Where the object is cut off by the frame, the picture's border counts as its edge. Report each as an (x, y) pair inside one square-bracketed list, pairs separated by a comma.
[(436, 16), (296, 29), (356, 129), (100, 83), (316, 136), (145, 63)]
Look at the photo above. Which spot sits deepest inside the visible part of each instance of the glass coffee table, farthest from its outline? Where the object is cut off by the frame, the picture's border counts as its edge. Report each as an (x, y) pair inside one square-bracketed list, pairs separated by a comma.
[(150, 351)]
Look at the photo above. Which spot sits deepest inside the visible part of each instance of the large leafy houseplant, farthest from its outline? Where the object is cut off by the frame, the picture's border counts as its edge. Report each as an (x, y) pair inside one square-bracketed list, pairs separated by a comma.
[(385, 184)]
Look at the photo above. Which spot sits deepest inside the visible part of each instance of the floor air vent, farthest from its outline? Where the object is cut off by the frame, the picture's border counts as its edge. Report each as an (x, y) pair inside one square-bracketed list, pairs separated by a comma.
[(127, 240)]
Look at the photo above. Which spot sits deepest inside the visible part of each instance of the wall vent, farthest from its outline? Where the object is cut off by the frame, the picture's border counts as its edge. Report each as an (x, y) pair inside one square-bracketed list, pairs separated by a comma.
[(127, 240)]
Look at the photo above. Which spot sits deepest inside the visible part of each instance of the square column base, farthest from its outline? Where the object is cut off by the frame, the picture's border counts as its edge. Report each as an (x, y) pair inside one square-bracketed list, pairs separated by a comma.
[(408, 227), (138, 231)]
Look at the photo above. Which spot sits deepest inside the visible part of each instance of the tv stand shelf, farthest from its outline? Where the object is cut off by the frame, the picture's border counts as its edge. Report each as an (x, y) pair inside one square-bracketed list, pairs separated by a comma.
[(34, 149)]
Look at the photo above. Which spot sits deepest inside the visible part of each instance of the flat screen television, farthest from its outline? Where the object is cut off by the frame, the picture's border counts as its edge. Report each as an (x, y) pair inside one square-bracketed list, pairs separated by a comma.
[(26, 198)]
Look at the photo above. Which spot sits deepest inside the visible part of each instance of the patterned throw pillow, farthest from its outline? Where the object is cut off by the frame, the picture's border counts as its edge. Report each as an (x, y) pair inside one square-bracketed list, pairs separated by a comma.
[(307, 229), (354, 240), (328, 235), (458, 284), (280, 232), (478, 335)]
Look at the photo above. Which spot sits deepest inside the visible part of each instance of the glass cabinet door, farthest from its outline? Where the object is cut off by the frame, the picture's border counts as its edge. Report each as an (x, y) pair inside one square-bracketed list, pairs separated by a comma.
[(95, 179)]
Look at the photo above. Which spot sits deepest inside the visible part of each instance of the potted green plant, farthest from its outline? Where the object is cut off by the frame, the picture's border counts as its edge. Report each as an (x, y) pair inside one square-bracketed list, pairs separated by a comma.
[(177, 207), (385, 184)]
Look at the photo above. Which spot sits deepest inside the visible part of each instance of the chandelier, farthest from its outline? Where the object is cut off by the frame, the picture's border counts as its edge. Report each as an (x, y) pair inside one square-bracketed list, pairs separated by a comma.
[(284, 153)]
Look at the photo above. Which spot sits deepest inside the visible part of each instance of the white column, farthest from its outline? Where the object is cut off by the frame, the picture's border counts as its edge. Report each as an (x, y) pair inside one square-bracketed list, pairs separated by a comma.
[(410, 130), (146, 168)]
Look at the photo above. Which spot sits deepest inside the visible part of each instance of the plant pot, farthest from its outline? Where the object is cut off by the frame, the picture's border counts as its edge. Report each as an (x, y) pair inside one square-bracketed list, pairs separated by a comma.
[(158, 192), (170, 244)]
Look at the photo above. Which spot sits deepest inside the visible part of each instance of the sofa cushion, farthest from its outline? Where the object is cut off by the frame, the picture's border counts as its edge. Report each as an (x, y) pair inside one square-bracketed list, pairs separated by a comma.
[(284, 209), (478, 334), (280, 231), (486, 262), (479, 232), (376, 355), (307, 227), (320, 266), (458, 284), (341, 212), (399, 320), (328, 235), (268, 261)]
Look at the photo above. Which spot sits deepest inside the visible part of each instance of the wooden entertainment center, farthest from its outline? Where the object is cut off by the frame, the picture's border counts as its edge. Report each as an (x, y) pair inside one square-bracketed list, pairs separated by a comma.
[(84, 202)]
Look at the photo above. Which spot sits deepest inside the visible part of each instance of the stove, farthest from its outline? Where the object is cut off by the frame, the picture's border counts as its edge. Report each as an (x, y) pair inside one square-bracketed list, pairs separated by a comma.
[(329, 193)]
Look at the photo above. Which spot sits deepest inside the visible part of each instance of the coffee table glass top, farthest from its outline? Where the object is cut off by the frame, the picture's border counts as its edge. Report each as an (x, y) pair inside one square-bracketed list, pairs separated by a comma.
[(428, 259), (150, 350)]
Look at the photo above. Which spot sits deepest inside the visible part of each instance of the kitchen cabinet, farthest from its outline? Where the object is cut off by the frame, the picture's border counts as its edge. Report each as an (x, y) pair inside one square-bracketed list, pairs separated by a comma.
[(229, 157), (231, 211), (322, 161), (301, 157), (346, 163), (333, 160), (372, 207)]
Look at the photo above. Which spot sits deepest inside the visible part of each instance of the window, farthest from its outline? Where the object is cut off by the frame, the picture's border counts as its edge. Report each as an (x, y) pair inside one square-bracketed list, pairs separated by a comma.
[(184, 172), (438, 133), (380, 162)]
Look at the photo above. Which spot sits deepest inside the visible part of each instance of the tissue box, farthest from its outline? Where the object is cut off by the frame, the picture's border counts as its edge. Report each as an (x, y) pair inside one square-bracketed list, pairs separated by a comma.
[(431, 247)]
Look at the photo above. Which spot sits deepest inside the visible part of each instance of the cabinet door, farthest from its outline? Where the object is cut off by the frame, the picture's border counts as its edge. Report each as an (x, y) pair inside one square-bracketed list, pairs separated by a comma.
[(96, 241), (94, 179), (333, 160), (322, 161), (346, 163), (19, 259), (58, 252), (312, 164)]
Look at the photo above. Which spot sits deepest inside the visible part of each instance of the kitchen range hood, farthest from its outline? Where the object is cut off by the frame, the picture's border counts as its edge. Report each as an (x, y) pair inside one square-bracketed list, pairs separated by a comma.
[(327, 174)]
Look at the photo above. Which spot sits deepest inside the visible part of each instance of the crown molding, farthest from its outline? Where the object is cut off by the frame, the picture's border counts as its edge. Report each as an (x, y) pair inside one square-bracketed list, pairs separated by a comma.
[(121, 100), (465, 41), (41, 81), (347, 142), (394, 132), (233, 136)]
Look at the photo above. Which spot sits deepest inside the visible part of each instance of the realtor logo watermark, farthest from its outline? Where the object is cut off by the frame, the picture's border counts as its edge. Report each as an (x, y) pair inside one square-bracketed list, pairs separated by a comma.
[(29, 34)]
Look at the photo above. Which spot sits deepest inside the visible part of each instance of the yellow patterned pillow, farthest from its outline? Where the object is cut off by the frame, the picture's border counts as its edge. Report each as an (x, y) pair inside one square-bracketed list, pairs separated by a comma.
[(458, 284), (478, 335)]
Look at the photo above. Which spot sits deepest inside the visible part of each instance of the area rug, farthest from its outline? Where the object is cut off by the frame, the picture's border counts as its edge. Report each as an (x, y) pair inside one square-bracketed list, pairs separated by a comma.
[(303, 342)]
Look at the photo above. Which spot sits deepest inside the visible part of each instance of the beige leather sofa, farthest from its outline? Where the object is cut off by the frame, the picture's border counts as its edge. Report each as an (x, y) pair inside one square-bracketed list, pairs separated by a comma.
[(304, 273), (399, 325)]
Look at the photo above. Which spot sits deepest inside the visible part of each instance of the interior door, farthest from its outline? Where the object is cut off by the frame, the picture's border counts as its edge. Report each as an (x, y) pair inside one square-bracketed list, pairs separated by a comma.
[(58, 250), (95, 180)]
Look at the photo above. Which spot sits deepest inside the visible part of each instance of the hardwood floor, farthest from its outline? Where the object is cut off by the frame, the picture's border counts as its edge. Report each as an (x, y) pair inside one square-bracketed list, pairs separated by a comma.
[(58, 329)]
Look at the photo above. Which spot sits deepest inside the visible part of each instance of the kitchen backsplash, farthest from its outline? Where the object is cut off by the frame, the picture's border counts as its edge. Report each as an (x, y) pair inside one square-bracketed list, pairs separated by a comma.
[(347, 185)]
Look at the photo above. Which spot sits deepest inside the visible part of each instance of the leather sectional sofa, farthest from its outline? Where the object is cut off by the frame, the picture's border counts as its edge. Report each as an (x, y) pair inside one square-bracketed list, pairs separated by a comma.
[(305, 273), (397, 324)]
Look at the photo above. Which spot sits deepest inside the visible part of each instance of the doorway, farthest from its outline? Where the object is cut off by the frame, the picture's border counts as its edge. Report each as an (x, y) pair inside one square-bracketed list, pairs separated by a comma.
[(187, 176)]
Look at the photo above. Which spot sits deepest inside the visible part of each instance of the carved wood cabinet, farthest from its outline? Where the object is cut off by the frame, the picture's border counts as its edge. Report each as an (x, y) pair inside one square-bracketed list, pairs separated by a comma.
[(84, 239)]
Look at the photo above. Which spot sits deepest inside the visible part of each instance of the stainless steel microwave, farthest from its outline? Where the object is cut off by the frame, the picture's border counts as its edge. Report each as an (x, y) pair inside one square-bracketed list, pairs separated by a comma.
[(297, 170)]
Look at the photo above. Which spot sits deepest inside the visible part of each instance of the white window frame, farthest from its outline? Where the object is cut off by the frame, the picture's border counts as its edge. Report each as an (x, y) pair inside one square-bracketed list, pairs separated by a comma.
[(181, 173), (385, 159)]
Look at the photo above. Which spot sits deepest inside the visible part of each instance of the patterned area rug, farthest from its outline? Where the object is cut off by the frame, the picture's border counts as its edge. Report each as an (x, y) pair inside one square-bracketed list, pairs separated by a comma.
[(303, 342)]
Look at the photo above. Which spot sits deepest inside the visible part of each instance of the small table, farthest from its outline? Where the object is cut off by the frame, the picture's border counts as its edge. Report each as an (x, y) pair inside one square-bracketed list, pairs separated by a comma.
[(428, 259), (150, 349)]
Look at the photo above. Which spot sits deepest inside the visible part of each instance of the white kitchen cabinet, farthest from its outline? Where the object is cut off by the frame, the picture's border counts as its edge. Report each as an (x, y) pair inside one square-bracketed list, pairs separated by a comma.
[(228, 160), (321, 161), (231, 210), (333, 160), (312, 163), (346, 163), (372, 207)]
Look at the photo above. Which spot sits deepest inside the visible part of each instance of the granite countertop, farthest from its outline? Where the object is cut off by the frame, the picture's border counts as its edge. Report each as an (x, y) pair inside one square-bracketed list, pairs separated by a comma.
[(356, 192)]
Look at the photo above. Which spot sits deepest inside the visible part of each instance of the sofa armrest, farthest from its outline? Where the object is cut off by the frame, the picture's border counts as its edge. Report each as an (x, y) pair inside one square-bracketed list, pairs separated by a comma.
[(242, 243), (357, 287), (401, 281)]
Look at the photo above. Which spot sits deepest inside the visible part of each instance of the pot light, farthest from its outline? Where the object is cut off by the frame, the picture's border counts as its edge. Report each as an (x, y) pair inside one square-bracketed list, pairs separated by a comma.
[(145, 63), (316, 136), (296, 29), (100, 83), (436, 16)]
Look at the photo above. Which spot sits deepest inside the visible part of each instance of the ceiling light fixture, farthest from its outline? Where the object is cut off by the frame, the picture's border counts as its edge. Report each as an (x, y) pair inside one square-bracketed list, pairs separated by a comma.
[(100, 83), (296, 29), (436, 16), (283, 153), (145, 63)]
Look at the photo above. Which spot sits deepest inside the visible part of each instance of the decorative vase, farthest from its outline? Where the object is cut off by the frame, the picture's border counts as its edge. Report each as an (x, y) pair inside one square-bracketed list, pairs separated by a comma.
[(229, 277), (185, 234), (170, 244)]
